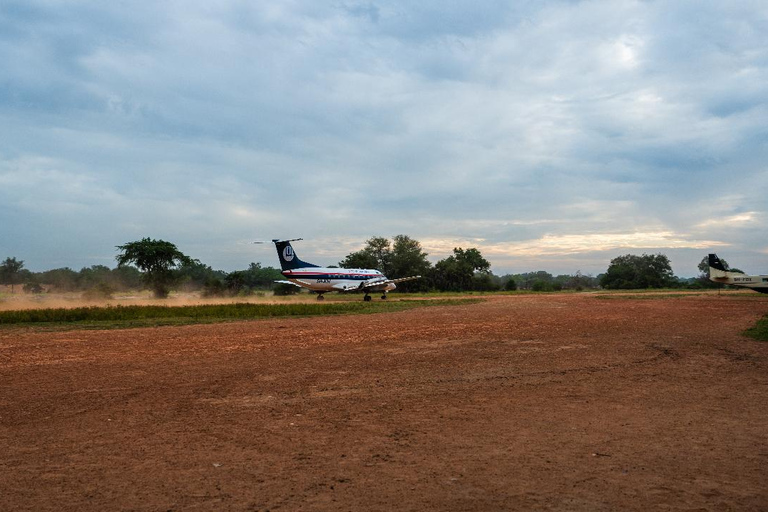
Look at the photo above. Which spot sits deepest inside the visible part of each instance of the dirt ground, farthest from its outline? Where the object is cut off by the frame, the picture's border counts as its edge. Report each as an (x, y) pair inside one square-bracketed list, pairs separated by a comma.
[(564, 402)]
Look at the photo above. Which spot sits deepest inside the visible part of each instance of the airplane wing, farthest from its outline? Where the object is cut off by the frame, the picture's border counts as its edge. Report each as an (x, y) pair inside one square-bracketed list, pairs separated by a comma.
[(375, 284), (382, 282), (400, 280), (289, 282)]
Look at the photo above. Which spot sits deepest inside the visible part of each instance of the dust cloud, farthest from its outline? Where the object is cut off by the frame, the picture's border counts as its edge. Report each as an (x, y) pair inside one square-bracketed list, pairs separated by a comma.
[(19, 300)]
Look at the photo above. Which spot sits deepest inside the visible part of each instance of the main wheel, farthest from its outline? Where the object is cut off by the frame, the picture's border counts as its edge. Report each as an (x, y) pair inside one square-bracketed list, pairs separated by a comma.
[(367, 298), (320, 297), (384, 297)]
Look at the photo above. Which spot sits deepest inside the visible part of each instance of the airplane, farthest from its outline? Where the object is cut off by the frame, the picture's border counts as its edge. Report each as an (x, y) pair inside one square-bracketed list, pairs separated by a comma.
[(719, 274), (322, 279)]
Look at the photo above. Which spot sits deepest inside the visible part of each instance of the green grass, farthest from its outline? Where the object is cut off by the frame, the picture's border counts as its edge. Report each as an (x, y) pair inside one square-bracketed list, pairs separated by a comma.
[(760, 330), (119, 317)]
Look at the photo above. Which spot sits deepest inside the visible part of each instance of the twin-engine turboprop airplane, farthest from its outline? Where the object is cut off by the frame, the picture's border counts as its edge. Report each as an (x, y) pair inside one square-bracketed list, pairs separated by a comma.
[(718, 274), (321, 280)]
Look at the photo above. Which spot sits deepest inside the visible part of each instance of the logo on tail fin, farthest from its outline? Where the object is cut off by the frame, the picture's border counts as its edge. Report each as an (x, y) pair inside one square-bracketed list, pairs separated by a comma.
[(288, 253)]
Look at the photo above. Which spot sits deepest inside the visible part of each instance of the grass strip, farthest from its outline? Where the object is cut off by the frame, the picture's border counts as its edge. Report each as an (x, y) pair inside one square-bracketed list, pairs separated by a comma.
[(760, 330), (118, 317)]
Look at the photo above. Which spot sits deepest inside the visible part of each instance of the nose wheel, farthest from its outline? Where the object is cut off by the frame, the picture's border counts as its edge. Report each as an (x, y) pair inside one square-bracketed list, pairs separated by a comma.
[(320, 296), (367, 298)]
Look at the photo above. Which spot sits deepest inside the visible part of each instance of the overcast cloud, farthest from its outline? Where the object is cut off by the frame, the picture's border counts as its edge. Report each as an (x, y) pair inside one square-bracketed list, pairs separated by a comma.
[(550, 135)]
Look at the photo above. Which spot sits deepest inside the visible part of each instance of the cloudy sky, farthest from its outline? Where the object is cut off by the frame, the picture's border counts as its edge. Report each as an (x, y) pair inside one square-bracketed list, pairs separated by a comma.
[(551, 135)]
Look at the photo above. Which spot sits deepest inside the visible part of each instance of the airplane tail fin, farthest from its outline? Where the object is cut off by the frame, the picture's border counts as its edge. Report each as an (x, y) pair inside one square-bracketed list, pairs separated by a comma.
[(288, 258), (716, 268)]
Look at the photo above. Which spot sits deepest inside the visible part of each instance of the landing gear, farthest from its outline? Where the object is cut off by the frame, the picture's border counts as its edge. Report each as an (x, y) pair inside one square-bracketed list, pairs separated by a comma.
[(320, 296), (383, 296), (367, 298)]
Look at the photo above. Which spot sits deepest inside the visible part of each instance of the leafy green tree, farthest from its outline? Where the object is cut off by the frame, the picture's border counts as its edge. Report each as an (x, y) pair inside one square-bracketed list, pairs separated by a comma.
[(360, 259), (90, 277), (525, 280), (258, 277), (402, 257), (639, 272), (408, 259), (236, 282), (542, 286), (61, 279), (10, 271), (462, 271), (484, 282), (157, 259), (510, 285), (195, 275), (376, 254), (127, 278)]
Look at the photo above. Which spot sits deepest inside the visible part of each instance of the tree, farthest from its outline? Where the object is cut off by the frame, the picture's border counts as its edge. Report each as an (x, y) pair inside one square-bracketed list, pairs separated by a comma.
[(91, 277), (261, 277), (236, 282), (127, 278), (464, 270), (408, 259), (376, 254), (579, 281), (157, 259), (403, 257), (360, 259), (525, 280), (636, 272), (10, 271), (62, 279), (194, 275)]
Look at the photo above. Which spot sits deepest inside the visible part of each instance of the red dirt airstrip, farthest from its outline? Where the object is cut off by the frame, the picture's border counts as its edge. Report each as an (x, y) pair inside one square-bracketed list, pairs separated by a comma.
[(564, 402)]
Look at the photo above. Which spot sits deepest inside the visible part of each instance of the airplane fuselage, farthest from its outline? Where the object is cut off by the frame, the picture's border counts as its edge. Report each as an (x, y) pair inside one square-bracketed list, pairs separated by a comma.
[(320, 279), (757, 283), (719, 274)]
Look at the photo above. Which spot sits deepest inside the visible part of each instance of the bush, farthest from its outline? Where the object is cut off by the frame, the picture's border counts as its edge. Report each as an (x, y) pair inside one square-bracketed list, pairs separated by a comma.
[(541, 286), (101, 291), (213, 287), (33, 288), (285, 289)]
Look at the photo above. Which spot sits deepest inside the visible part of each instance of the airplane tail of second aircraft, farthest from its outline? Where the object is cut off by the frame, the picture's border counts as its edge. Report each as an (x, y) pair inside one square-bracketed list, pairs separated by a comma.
[(288, 258), (716, 268)]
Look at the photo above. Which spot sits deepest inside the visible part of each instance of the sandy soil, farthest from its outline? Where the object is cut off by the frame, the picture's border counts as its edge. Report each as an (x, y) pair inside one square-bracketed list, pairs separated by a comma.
[(566, 402)]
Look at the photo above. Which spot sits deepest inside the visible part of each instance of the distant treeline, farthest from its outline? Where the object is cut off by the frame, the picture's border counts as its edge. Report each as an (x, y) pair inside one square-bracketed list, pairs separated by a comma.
[(162, 267), (100, 281)]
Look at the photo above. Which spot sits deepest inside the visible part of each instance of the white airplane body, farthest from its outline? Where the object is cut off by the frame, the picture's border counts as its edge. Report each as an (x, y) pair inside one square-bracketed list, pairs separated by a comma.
[(328, 279), (718, 274)]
